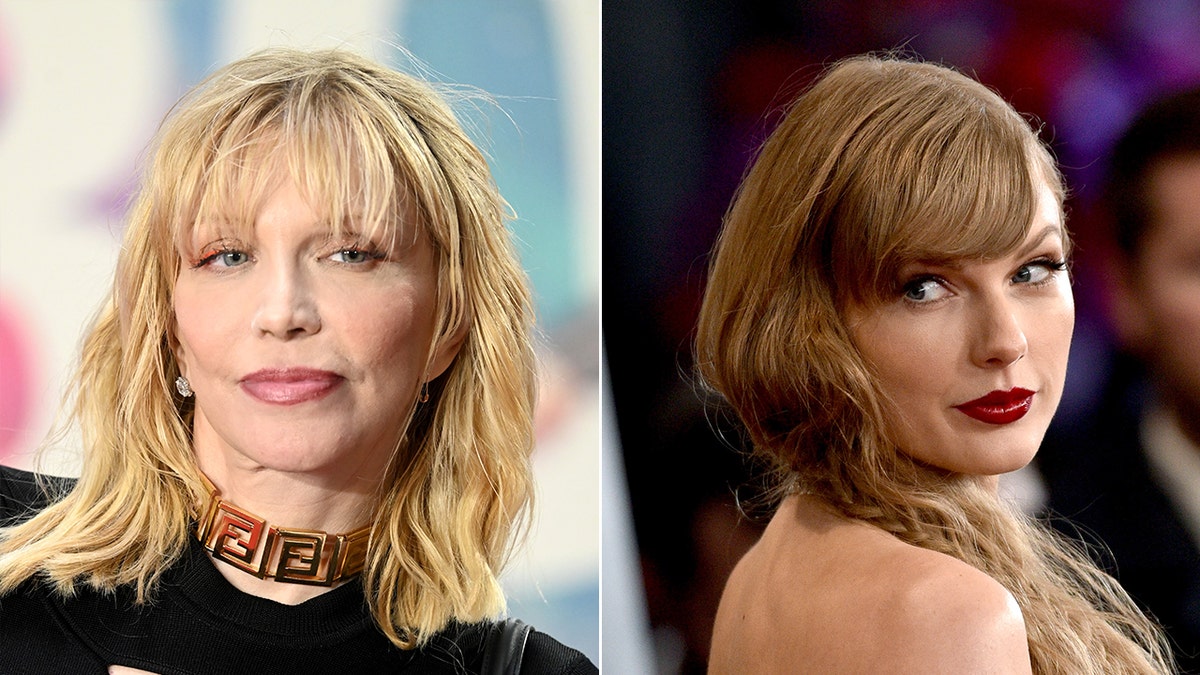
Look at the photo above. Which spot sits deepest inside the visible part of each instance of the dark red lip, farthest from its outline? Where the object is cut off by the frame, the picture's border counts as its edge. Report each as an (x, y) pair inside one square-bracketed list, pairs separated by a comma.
[(999, 407), (289, 386)]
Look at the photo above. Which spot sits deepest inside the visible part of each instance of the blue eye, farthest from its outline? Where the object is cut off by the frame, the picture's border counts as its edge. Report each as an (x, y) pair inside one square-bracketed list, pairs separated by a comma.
[(223, 258), (232, 258), (924, 290), (354, 256), (1038, 271)]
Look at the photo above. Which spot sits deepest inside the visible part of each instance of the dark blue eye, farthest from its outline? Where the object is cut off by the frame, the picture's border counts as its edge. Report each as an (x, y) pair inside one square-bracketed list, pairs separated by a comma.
[(1037, 271), (925, 289), (354, 256)]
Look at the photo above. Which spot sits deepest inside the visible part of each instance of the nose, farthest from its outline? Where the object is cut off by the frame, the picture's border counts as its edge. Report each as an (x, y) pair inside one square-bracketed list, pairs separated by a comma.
[(1000, 334), (287, 308)]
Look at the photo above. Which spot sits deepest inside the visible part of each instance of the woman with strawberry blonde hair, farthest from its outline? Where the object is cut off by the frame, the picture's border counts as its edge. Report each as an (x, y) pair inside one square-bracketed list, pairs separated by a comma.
[(889, 313)]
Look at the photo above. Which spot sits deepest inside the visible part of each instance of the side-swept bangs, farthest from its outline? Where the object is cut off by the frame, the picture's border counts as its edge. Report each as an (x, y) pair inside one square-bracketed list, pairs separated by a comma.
[(881, 163), (938, 169)]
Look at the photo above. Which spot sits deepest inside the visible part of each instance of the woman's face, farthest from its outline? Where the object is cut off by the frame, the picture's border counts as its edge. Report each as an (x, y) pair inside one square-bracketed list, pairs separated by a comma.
[(305, 350), (973, 355)]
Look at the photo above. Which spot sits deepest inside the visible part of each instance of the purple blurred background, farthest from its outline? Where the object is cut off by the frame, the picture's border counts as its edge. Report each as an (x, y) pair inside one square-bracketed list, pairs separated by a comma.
[(691, 89)]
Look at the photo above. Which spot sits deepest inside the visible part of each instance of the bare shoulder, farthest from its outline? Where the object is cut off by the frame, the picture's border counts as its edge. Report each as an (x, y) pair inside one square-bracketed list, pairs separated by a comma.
[(820, 593), (942, 615)]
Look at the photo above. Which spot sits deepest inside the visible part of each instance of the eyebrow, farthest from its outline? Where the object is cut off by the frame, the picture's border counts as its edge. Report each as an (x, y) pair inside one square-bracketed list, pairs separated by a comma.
[(959, 263), (1053, 228)]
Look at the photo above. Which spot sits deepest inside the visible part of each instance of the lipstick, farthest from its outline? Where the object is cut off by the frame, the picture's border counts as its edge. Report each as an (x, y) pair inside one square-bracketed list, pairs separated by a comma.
[(290, 386), (999, 407)]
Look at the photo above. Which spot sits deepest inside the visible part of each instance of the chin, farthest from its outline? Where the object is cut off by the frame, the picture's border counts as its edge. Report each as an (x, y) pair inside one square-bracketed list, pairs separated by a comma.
[(1015, 466), (272, 449), (1012, 460), (293, 461), (992, 458)]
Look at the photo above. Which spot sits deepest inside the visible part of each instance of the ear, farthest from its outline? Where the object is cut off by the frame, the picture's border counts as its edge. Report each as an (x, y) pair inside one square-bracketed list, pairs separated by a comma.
[(447, 348), (1129, 317)]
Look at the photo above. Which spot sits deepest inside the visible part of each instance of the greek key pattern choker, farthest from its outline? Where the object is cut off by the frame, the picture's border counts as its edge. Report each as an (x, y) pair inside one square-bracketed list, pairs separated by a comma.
[(240, 538)]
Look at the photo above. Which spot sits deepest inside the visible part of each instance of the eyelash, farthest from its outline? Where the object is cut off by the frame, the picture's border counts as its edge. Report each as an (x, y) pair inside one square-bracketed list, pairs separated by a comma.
[(213, 253), (1050, 264), (372, 254)]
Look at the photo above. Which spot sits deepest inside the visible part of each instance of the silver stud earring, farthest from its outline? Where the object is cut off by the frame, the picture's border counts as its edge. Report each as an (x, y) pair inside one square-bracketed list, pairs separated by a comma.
[(183, 386)]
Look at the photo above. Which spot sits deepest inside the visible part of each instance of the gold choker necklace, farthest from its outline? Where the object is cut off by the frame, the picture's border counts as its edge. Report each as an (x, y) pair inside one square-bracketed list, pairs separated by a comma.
[(242, 539)]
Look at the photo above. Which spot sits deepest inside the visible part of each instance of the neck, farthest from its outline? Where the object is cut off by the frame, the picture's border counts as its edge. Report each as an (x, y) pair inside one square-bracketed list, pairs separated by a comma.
[(283, 513), (329, 501), (990, 483)]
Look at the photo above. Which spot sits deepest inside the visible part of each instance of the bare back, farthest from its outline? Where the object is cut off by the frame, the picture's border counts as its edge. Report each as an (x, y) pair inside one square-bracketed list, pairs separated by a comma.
[(822, 593)]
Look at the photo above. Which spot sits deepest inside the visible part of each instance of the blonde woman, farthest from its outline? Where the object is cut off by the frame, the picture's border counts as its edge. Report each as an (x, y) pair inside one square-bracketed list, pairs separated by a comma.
[(306, 405), (889, 313)]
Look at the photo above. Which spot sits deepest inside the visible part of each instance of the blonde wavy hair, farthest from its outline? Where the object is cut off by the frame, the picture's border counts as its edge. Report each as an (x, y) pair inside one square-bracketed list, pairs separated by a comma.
[(883, 162), (370, 145)]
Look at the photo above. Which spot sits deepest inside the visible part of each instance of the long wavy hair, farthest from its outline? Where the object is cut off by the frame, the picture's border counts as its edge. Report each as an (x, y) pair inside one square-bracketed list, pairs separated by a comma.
[(369, 145), (883, 162)]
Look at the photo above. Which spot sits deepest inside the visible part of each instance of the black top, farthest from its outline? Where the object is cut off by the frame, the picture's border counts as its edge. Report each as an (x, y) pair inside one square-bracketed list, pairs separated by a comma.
[(198, 623)]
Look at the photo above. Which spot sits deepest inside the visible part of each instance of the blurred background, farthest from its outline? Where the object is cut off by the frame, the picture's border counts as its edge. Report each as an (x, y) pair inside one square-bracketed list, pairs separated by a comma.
[(691, 89), (83, 86)]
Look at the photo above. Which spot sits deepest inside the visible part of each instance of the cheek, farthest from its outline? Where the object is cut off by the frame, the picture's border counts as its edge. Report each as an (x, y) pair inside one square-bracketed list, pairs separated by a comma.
[(1171, 303), (1060, 327), (193, 328), (210, 327), (909, 356), (1177, 301), (1049, 325), (1166, 281), (391, 332)]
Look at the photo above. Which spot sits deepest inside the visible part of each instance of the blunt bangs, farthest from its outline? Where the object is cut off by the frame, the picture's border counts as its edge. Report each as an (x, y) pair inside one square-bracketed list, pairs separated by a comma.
[(335, 136)]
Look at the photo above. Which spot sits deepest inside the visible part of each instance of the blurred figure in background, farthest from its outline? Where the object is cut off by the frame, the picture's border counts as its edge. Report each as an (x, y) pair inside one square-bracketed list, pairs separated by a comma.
[(1129, 474), (690, 91)]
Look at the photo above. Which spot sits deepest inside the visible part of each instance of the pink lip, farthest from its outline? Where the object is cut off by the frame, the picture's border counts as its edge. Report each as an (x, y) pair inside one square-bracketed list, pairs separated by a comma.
[(289, 386), (999, 407)]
